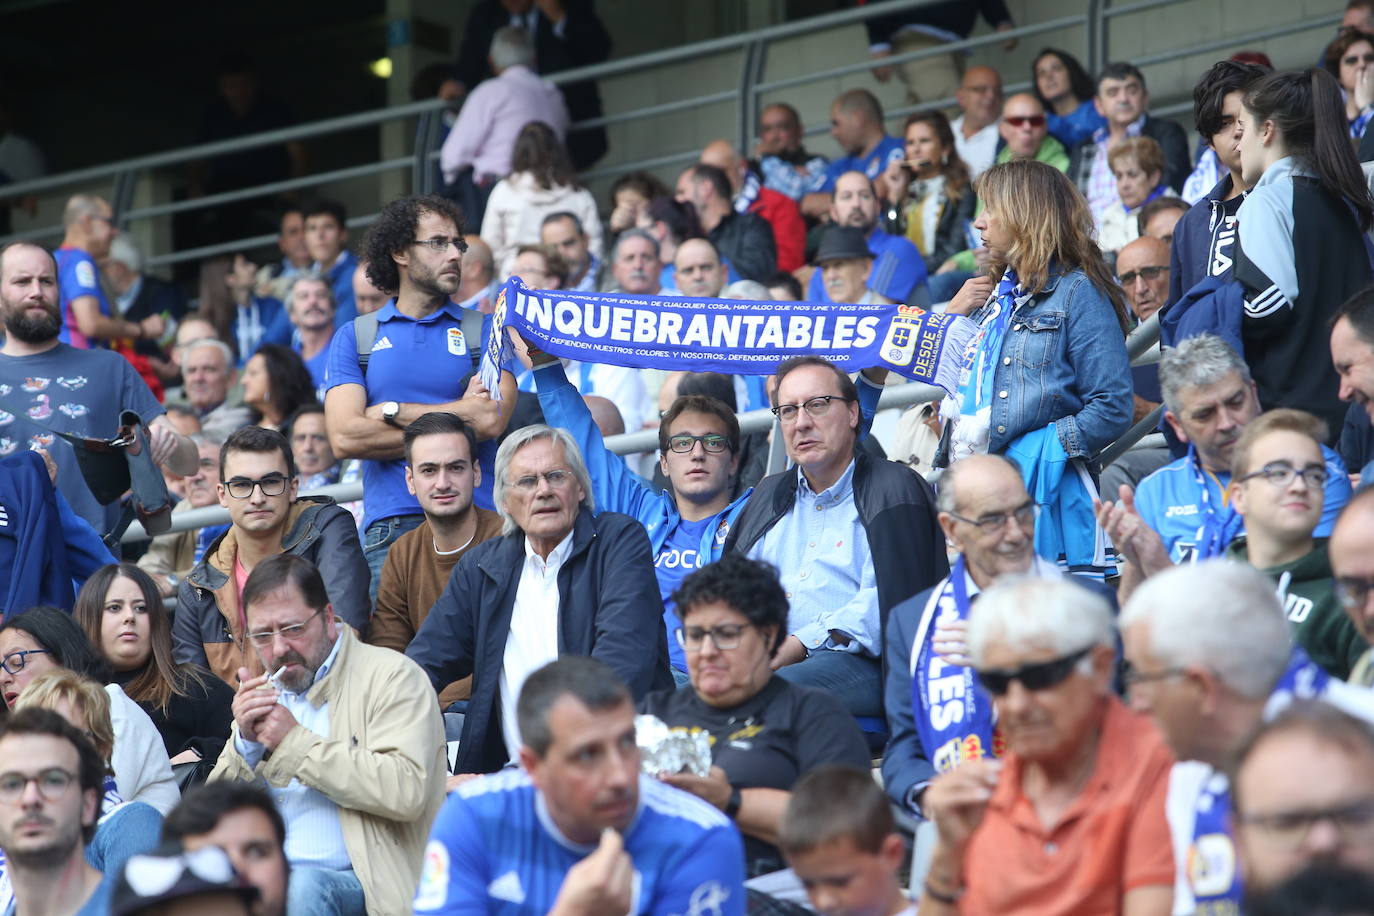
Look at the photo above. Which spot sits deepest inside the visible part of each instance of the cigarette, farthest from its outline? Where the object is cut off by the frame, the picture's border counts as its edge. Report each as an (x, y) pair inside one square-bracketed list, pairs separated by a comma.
[(271, 683)]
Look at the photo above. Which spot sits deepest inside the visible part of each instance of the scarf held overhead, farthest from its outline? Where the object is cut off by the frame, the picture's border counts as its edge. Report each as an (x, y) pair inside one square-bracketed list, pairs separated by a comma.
[(733, 336)]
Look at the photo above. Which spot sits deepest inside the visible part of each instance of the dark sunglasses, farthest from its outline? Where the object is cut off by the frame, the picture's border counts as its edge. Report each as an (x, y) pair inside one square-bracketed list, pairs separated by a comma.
[(1040, 676), (1026, 121)]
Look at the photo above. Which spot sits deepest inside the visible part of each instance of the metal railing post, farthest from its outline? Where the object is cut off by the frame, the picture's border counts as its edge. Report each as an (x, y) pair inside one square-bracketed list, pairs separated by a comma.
[(755, 60), (1097, 36)]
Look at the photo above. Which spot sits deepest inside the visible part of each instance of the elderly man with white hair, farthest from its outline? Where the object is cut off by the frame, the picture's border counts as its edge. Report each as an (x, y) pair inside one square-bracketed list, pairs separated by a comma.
[(1072, 819), (1209, 653), (560, 581)]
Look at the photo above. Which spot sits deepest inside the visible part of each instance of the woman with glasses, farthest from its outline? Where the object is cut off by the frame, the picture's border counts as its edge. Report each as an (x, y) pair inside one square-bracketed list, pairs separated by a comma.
[(765, 732), (1048, 381), (1072, 818), (928, 194), (46, 639), (124, 618), (125, 828)]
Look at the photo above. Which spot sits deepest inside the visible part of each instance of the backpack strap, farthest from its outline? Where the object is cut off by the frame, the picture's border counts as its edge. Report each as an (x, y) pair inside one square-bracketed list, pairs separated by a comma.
[(365, 330), (472, 335)]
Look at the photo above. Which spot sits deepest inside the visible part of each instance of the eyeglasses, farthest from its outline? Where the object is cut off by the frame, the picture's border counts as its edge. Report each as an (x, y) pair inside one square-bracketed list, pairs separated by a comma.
[(558, 478), (684, 444), (1024, 515), (1351, 592), (1026, 121), (1040, 676), (1288, 829), (726, 636), (242, 487), (52, 784), (1281, 474), (441, 243), (1149, 273), (15, 661), (1130, 677), (291, 631), (816, 407)]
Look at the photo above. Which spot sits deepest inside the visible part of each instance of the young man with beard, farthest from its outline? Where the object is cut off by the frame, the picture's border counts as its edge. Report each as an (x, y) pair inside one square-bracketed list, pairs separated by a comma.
[(81, 392)]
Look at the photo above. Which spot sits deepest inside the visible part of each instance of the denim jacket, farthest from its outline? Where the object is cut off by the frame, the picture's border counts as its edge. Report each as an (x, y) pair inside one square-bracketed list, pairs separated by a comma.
[(1063, 362)]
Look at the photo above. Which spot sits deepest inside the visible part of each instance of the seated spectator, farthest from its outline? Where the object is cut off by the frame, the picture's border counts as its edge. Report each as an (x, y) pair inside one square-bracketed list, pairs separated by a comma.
[(275, 279), (1350, 59), (1122, 99), (1158, 218), (635, 265), (840, 839), (123, 616), (276, 383), (564, 231), (1082, 776), (744, 238), (477, 284), (1300, 795), (326, 238), (899, 273), (559, 581), (257, 319), (367, 297), (634, 844), (45, 639), (1277, 475), (258, 486), (138, 295), (442, 472), (196, 325), (1352, 354), (734, 619), (845, 266), (976, 130), (787, 166), (1025, 133), (171, 882), (697, 269), (928, 195), (1142, 269), (310, 305), (1138, 164), (242, 820), (752, 196), (784, 287), (541, 181), (171, 556), (630, 196), (1301, 247), (539, 267), (671, 223), (124, 828), (1237, 654), (856, 124), (354, 761), (1066, 90), (305, 430), (880, 515), (207, 365), (32, 744)]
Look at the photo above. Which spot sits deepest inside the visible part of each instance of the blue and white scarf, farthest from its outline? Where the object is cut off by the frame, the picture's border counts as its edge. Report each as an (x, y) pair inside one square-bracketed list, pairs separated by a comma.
[(1220, 524), (971, 406)]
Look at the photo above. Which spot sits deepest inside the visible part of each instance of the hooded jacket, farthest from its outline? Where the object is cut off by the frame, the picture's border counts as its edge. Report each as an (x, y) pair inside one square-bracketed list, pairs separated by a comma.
[(515, 215), (1204, 242), (208, 626)]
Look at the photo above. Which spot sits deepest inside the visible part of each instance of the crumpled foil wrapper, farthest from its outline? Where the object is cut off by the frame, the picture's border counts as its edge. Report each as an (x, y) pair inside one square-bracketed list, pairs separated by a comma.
[(667, 751)]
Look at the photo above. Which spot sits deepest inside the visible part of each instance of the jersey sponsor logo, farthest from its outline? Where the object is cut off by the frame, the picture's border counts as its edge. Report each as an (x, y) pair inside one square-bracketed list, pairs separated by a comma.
[(672, 558), (74, 410), (507, 887), (1211, 865), (383, 344), (1297, 607), (72, 384), (7, 446), (433, 892), (34, 384), (85, 273), (1176, 511), (722, 533), (457, 344)]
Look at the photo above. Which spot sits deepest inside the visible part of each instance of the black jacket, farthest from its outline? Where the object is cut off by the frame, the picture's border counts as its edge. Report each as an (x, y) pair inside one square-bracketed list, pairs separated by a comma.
[(609, 609), (155, 297), (584, 41), (1178, 165), (897, 510), (746, 240)]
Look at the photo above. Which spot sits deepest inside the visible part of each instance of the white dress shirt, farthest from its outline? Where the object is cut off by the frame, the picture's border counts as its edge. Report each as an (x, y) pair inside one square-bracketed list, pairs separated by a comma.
[(533, 639)]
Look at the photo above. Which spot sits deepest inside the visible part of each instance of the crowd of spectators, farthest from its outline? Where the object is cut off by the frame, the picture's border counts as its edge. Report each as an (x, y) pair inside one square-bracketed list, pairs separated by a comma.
[(985, 674)]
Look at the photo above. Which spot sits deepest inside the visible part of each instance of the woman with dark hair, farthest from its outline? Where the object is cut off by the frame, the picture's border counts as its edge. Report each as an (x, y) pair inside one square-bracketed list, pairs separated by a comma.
[(630, 196), (124, 618), (1300, 248), (1350, 59), (47, 639), (928, 194), (1067, 92), (275, 384), (765, 731), (541, 181)]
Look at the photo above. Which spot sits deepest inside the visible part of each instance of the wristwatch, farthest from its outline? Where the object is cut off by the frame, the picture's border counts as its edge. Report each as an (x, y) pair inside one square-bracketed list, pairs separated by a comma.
[(390, 411)]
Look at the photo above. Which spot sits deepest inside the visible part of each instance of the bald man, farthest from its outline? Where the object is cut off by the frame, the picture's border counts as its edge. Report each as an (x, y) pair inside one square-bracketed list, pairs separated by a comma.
[(700, 274), (856, 124), (1142, 269), (780, 211), (975, 131), (368, 297), (1026, 131)]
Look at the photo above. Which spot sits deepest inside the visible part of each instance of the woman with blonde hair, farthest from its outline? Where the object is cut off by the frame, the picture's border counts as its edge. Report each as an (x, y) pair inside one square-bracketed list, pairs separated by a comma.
[(1048, 381), (928, 195)]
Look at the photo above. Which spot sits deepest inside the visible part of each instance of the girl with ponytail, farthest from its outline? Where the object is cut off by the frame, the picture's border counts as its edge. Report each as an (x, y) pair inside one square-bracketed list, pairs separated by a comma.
[(1301, 249)]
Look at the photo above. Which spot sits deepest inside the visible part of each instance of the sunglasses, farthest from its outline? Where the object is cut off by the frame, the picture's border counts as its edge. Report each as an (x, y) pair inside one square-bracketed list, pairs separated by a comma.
[(1040, 676), (1026, 120)]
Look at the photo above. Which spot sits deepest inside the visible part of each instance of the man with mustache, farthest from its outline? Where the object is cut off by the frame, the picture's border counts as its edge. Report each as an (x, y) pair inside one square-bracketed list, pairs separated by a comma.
[(310, 304), (346, 737), (635, 263), (899, 272)]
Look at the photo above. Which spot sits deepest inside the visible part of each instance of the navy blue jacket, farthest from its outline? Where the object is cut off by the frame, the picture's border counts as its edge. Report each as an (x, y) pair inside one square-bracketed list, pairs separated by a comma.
[(1195, 238)]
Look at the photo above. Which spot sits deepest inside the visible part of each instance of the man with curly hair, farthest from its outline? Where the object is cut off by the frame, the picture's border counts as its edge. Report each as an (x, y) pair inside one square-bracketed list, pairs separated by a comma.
[(419, 362)]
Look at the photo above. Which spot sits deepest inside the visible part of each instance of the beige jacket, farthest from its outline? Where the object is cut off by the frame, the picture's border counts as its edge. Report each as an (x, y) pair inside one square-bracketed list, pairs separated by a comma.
[(383, 764)]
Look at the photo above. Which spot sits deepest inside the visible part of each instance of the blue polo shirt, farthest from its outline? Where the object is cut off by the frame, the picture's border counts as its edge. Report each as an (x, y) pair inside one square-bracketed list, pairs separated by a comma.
[(76, 277), (888, 150), (898, 268), (412, 361)]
